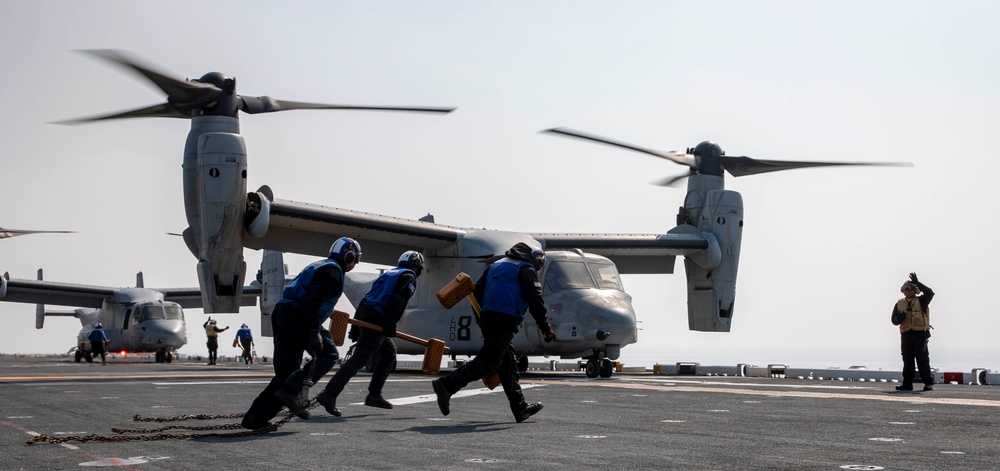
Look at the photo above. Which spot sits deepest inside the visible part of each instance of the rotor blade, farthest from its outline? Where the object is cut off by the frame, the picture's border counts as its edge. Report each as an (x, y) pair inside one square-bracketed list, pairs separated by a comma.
[(177, 90), (683, 159), (6, 233), (266, 104), (673, 182), (163, 110), (743, 166)]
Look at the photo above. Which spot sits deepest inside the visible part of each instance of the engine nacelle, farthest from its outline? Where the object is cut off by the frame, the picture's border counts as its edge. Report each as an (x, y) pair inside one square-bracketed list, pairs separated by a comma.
[(222, 173), (711, 278), (257, 217)]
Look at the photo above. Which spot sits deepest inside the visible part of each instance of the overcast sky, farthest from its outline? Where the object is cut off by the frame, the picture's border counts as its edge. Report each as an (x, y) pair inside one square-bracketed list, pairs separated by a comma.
[(824, 250)]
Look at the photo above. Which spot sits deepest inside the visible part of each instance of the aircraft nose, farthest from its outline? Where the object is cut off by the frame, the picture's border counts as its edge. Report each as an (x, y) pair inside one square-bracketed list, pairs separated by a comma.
[(609, 319), (165, 335)]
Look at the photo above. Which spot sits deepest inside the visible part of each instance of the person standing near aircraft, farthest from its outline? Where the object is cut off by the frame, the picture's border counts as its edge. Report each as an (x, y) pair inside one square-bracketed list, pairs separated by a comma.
[(212, 331), (912, 314), (506, 289), (383, 306), (297, 321), (245, 339), (99, 342)]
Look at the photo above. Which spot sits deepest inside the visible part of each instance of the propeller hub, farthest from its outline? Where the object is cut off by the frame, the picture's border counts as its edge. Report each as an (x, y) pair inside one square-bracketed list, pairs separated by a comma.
[(226, 103), (708, 155), (220, 80)]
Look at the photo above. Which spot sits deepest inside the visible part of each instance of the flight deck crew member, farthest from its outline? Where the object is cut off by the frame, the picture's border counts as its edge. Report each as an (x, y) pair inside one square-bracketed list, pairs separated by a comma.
[(245, 338), (913, 316), (506, 289), (99, 342), (212, 332), (297, 320), (383, 306)]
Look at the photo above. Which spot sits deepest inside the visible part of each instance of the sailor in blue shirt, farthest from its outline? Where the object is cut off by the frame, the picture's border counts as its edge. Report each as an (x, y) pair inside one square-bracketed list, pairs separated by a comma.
[(245, 339), (99, 342), (383, 306), (297, 321), (506, 289)]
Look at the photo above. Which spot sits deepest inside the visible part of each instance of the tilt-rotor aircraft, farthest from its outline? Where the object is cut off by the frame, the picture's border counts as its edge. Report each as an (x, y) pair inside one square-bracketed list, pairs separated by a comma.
[(592, 315), (221, 214), (135, 320)]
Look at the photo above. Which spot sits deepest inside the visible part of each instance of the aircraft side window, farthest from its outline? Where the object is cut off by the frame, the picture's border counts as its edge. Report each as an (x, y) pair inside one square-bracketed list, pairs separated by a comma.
[(128, 313)]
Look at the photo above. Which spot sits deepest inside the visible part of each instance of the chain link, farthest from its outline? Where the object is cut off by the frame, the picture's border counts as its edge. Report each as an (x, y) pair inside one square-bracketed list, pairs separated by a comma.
[(270, 427)]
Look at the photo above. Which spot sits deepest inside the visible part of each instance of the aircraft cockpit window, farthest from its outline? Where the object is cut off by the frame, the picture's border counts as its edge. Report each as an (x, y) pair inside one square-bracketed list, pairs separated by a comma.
[(566, 275), (174, 312), (606, 275), (151, 313)]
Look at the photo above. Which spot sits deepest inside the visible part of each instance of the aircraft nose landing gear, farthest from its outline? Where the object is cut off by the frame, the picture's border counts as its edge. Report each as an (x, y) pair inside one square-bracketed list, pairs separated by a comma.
[(598, 365)]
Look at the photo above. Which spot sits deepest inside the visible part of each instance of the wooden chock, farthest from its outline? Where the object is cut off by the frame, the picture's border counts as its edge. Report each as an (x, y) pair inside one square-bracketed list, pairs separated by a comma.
[(433, 354), (492, 380), (338, 327), (456, 290)]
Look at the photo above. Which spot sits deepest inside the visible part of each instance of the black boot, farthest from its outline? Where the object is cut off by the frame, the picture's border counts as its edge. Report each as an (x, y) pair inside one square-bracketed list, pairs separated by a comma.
[(291, 401), (376, 400), (528, 411), (329, 403)]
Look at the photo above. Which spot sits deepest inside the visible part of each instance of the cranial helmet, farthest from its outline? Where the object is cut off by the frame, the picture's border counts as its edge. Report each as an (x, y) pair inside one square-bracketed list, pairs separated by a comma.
[(346, 249), (537, 257), (212, 321), (244, 326), (413, 260), (98, 326)]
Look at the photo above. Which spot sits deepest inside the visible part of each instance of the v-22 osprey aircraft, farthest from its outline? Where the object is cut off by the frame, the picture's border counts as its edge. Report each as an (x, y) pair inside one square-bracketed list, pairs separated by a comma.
[(592, 316), (135, 320)]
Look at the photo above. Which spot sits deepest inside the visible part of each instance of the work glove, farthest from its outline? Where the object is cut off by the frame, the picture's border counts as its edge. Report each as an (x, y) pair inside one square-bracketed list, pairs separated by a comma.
[(354, 333), (389, 331), (314, 344), (546, 329), (913, 277)]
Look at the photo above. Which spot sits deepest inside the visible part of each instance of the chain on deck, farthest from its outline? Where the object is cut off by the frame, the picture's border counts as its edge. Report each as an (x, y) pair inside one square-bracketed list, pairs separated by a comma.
[(154, 434)]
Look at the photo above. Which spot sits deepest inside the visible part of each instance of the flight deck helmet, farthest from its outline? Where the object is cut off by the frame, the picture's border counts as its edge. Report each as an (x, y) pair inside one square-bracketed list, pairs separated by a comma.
[(412, 260), (98, 326), (346, 250), (537, 257)]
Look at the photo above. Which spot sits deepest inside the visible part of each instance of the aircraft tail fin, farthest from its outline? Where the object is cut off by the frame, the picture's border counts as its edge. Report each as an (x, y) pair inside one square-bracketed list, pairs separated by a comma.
[(272, 268), (138, 280)]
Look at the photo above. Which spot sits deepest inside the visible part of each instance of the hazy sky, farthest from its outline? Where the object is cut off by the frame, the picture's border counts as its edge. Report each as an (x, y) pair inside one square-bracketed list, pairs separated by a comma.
[(824, 250)]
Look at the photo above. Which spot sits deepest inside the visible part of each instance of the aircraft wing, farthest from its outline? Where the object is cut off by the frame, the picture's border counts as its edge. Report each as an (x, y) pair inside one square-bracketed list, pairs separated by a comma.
[(631, 253), (52, 292), (305, 228), (190, 298), (70, 294)]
